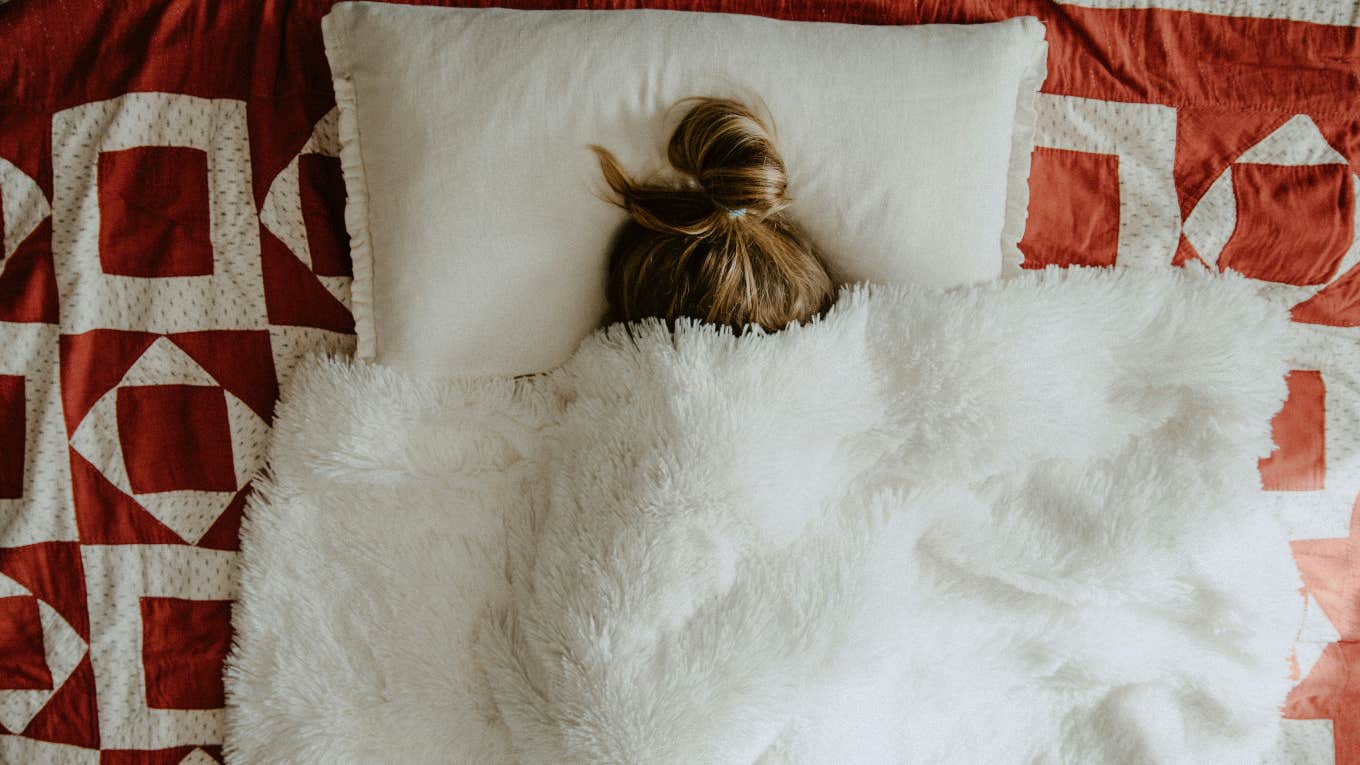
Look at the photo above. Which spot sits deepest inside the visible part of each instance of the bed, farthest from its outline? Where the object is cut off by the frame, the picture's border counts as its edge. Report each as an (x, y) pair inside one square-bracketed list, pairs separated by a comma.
[(154, 299)]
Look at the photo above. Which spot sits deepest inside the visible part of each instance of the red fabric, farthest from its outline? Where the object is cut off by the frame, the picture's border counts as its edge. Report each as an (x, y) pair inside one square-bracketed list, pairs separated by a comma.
[(28, 280), (1331, 572), (292, 293), (1338, 304), (323, 200), (1299, 462), (94, 362), (1207, 140), (1231, 82), (1185, 253), (1073, 211), (70, 716), (153, 212), (22, 663), (13, 429), (240, 361), (105, 515), (176, 438), (170, 756), (1332, 692), (225, 534), (53, 572), (184, 643), (1200, 60), (1282, 211)]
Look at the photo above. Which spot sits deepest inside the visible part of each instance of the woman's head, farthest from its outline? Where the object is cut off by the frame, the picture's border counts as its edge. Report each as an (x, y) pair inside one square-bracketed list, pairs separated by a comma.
[(719, 248)]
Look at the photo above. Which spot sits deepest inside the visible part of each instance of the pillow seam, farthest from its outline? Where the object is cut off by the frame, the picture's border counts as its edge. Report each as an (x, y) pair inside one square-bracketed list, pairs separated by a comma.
[(362, 288), (1024, 139)]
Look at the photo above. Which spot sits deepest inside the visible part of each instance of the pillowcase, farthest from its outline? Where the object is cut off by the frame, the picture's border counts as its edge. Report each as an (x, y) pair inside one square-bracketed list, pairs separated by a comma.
[(479, 237)]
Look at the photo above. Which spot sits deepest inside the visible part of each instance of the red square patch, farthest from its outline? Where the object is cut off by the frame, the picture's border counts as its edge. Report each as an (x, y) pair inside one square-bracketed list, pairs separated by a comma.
[(1299, 462), (154, 219), (13, 436), (175, 438), (322, 187), (1073, 209), (1294, 223), (173, 756), (184, 644), (22, 663)]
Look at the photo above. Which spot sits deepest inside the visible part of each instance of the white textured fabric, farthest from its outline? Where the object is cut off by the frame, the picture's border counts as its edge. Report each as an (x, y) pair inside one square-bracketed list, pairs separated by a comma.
[(464, 133), (907, 533)]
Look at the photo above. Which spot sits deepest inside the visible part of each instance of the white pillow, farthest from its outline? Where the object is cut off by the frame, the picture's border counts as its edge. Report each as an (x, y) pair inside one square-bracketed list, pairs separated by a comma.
[(479, 244)]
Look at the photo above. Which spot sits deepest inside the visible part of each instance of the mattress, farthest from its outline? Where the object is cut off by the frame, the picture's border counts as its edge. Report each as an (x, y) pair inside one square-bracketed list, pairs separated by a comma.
[(173, 244)]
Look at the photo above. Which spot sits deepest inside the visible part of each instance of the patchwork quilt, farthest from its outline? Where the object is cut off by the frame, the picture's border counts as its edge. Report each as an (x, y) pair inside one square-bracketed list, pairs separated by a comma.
[(172, 243)]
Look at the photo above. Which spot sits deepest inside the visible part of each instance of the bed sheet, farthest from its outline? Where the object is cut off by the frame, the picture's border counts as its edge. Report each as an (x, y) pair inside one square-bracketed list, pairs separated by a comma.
[(172, 241)]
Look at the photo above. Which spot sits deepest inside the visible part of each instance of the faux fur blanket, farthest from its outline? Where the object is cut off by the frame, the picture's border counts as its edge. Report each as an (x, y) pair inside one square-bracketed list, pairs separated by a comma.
[(1011, 523)]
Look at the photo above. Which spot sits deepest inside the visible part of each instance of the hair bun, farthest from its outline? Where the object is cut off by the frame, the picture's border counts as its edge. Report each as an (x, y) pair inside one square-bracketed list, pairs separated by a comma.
[(731, 153), (717, 247)]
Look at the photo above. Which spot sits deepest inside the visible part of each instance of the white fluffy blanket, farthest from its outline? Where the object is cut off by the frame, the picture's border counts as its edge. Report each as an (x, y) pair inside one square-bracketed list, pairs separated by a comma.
[(1012, 523)]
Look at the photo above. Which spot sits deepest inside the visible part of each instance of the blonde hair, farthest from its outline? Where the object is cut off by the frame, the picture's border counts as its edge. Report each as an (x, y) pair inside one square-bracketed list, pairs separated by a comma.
[(720, 249)]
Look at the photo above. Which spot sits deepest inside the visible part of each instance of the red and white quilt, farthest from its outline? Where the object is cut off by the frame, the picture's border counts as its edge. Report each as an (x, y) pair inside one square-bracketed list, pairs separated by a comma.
[(172, 243)]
